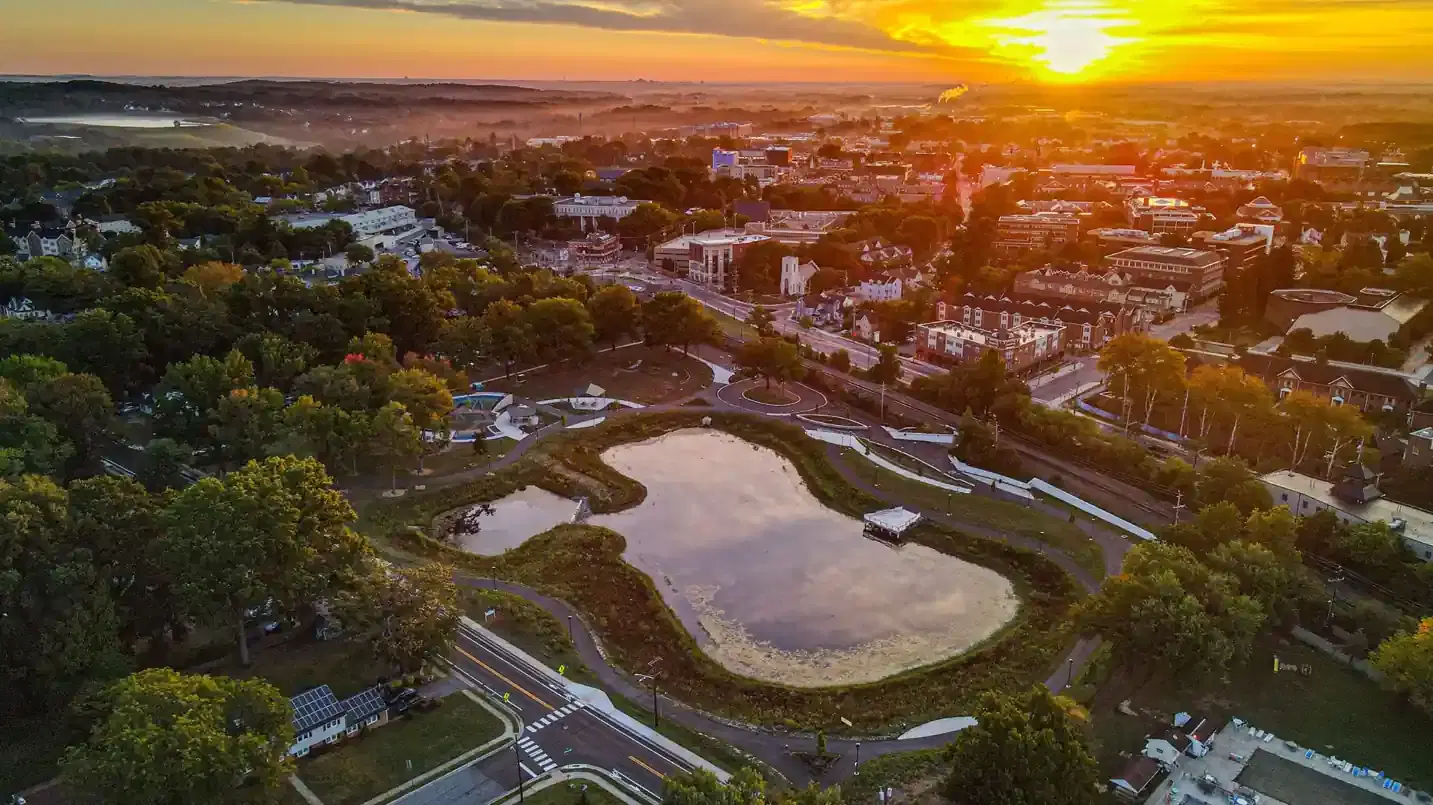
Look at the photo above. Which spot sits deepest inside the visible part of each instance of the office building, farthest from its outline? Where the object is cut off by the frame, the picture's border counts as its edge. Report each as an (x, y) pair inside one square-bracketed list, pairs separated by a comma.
[(1160, 216), (588, 209), (1337, 168), (711, 258), (1042, 230), (1241, 244), (1196, 272)]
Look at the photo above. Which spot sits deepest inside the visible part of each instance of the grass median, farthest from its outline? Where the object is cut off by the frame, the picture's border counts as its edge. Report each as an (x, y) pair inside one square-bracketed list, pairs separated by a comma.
[(583, 565), (363, 767)]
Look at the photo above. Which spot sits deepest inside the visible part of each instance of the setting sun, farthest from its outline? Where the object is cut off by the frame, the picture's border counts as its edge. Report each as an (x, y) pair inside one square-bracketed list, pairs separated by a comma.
[(1064, 39)]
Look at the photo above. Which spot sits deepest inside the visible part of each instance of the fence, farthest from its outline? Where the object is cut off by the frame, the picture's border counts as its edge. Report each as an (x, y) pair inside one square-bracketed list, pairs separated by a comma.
[(1091, 509), (916, 436), (1004, 483)]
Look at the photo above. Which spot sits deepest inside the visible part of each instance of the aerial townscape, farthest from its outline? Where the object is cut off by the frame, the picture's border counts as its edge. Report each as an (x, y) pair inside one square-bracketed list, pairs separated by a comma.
[(470, 403)]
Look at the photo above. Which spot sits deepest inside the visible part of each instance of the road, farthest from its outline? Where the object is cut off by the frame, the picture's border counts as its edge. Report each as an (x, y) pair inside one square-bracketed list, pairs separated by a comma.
[(557, 730), (1081, 373)]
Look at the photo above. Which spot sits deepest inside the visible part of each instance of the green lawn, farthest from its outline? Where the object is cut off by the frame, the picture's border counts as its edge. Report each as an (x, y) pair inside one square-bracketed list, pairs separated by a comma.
[(527, 626), (1335, 710), (573, 792), (642, 374), (362, 768), (302, 663), (1002, 515), (461, 456)]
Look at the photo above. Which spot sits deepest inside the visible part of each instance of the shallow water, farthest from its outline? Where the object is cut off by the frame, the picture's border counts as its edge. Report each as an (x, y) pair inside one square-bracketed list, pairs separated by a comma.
[(523, 514), (119, 121), (781, 588)]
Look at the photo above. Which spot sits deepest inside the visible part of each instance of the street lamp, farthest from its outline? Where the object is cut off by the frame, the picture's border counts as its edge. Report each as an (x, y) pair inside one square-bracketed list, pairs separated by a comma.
[(858, 757), (1070, 674), (517, 753), (569, 628)]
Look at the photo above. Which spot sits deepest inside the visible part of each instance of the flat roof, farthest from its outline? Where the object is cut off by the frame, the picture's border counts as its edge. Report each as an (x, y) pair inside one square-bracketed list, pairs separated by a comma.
[(1418, 523), (1169, 254)]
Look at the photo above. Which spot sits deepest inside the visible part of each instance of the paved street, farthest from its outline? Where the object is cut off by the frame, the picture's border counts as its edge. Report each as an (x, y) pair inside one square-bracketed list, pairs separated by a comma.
[(557, 730)]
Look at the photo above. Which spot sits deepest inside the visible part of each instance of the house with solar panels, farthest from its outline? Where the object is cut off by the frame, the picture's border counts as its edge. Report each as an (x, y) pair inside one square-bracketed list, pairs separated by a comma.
[(321, 718)]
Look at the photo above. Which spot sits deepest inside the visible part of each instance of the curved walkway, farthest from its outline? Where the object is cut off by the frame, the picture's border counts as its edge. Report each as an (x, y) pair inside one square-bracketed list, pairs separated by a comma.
[(735, 396)]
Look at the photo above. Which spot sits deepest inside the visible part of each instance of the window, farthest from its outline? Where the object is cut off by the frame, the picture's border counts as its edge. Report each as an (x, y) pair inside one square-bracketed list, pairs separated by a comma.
[(1284, 498)]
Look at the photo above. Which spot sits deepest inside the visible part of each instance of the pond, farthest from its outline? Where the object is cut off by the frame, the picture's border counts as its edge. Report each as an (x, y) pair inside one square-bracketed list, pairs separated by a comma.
[(525, 513), (117, 120), (776, 586)]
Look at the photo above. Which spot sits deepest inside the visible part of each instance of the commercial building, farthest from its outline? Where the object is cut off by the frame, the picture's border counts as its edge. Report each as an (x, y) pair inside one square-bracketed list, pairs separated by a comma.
[(1087, 326), (368, 223), (1355, 498), (1022, 346), (1042, 230), (1339, 168), (1160, 216), (587, 209), (1195, 272), (1241, 244), (711, 258), (675, 253), (798, 226), (1110, 239), (1260, 211), (1376, 314), (597, 249)]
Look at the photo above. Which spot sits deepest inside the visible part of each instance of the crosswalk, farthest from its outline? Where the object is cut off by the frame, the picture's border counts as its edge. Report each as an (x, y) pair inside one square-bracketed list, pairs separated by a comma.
[(538, 756), (553, 717)]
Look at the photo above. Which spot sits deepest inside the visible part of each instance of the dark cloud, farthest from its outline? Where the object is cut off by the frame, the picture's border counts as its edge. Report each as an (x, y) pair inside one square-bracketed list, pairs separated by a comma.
[(755, 19)]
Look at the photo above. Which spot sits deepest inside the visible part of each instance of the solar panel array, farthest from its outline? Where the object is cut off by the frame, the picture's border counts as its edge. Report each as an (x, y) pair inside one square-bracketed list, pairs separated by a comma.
[(315, 707), (364, 704)]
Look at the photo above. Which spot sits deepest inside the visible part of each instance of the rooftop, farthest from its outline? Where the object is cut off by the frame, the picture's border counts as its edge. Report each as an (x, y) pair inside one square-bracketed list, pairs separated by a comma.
[(1417, 523), (1169, 254)]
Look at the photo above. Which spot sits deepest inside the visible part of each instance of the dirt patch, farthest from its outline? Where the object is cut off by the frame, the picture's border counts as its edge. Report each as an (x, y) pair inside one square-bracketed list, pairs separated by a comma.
[(647, 375)]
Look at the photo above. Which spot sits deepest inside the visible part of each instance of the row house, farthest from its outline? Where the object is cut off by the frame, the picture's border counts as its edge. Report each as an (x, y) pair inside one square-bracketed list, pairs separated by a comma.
[(1086, 326), (1366, 388), (1022, 347)]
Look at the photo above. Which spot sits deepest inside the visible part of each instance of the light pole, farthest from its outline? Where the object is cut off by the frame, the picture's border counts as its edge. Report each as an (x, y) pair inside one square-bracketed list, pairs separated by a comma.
[(517, 754), (569, 628), (858, 757), (1070, 673)]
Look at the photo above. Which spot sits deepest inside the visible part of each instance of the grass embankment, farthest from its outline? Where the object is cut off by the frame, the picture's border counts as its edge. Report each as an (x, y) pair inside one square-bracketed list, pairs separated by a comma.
[(583, 566), (660, 375), (572, 792), (366, 766), (920, 768), (1334, 709), (979, 510)]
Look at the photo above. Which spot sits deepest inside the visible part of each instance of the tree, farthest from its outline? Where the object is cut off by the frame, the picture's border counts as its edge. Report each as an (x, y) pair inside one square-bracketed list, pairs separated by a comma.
[(1406, 662), (672, 318), (394, 439), (166, 738), (424, 395), (212, 279), (1230, 480), (277, 361), (162, 464), (919, 232), (246, 424), (759, 266), (358, 254), (59, 629), (1142, 366), (1024, 749), (840, 360), (1278, 582), (615, 312), (138, 267), (80, 408), (273, 534), (463, 340), (701, 787), (191, 392), (24, 371), (888, 368), (108, 346), (761, 320), (1167, 613), (1318, 422), (562, 328), (409, 615), (509, 335), (646, 221), (983, 387), (772, 359)]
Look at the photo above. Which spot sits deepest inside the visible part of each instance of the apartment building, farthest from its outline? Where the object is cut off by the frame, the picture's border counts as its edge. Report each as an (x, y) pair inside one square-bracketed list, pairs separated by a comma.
[(1087, 326), (1021, 347)]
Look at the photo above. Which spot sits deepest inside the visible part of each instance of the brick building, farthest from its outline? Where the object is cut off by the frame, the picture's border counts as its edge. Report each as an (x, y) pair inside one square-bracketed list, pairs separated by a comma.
[(1241, 244), (1022, 346), (1198, 273), (1022, 233), (1159, 216), (1087, 325)]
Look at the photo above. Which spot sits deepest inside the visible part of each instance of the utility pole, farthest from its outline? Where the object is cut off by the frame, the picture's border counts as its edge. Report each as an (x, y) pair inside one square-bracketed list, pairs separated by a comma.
[(1178, 504), (1182, 411)]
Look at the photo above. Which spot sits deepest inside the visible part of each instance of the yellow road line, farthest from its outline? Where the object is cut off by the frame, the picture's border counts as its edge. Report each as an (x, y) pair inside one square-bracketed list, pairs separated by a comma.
[(515, 685), (645, 766)]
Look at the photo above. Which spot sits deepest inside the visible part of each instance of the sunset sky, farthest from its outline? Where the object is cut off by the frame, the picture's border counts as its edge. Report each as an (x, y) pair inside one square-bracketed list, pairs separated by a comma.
[(728, 40)]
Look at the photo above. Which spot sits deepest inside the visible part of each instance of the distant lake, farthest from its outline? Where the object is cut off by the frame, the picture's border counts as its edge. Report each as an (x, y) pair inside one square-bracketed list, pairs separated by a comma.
[(119, 120)]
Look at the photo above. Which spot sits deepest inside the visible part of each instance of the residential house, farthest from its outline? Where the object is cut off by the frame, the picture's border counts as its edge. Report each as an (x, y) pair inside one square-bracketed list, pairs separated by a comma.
[(1367, 388), (796, 275), (46, 242), (883, 287), (866, 328), (1135, 780), (1419, 451), (320, 718), (825, 308), (876, 252)]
